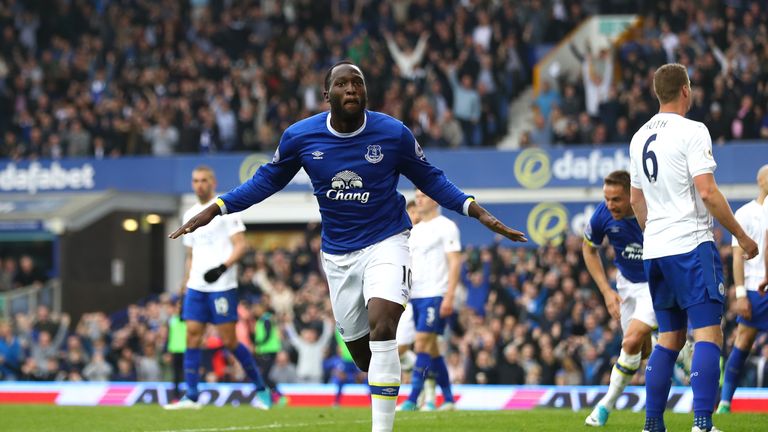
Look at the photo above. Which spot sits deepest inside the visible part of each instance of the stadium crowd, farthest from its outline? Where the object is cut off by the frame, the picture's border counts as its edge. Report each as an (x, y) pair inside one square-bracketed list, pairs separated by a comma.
[(22, 271), (523, 316), (110, 78), (724, 46)]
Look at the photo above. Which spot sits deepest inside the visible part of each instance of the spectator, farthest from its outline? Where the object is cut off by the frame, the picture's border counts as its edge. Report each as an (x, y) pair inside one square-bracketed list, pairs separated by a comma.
[(98, 369), (477, 283), (407, 59), (28, 273), (466, 101), (163, 137), (11, 353), (283, 371), (148, 364), (510, 371), (311, 349)]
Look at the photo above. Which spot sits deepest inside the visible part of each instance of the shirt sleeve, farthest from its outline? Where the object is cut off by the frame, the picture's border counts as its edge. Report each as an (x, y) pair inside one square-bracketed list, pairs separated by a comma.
[(593, 232), (429, 179), (234, 224), (451, 238), (700, 159), (269, 178)]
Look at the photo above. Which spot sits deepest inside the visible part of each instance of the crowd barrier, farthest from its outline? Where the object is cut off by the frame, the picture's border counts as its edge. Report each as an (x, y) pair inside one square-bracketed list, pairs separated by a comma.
[(468, 397)]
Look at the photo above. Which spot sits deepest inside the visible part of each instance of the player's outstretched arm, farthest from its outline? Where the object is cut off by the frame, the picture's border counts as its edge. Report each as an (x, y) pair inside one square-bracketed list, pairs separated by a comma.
[(493, 224), (718, 206), (198, 220), (637, 201)]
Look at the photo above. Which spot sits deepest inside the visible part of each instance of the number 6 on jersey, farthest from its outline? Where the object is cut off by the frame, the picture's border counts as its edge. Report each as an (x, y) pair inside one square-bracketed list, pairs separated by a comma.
[(653, 172)]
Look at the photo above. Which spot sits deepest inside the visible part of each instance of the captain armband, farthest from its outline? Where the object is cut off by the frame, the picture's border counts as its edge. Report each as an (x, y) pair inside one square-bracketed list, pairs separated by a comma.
[(222, 205)]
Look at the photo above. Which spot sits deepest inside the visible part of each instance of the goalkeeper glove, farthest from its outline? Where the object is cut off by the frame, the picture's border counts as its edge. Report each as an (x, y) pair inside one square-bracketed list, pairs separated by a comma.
[(215, 273)]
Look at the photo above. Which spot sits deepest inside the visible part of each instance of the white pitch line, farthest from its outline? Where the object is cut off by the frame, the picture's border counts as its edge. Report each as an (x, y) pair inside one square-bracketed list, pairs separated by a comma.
[(263, 427), (285, 425)]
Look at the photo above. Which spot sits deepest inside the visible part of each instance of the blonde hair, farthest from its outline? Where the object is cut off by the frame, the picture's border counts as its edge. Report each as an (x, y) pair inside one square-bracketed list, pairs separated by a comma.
[(668, 80)]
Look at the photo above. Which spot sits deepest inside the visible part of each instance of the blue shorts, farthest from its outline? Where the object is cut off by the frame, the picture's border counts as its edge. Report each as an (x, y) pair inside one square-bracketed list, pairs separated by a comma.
[(759, 311), (426, 315), (210, 307), (686, 287)]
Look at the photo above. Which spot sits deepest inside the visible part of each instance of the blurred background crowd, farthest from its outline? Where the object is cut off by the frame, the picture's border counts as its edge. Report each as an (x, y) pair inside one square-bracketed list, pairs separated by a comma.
[(108, 78), (523, 316)]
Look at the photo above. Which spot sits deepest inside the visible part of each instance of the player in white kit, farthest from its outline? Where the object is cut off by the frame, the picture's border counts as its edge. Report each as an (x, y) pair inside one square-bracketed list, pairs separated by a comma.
[(674, 196), (751, 307), (210, 290), (436, 259)]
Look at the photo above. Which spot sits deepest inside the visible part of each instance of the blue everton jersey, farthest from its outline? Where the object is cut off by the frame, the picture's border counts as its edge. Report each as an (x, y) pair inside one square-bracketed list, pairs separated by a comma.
[(354, 176), (624, 235)]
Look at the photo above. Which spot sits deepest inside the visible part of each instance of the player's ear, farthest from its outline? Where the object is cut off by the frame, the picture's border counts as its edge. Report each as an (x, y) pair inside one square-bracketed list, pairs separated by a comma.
[(326, 96)]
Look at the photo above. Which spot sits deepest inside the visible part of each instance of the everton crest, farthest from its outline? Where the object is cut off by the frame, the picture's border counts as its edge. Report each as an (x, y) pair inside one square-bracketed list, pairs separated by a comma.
[(374, 154)]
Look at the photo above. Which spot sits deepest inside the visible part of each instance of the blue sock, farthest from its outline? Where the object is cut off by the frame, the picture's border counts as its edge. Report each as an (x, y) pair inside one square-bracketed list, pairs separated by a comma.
[(249, 366), (419, 374), (732, 372), (339, 387), (705, 374), (658, 380), (442, 378), (192, 372)]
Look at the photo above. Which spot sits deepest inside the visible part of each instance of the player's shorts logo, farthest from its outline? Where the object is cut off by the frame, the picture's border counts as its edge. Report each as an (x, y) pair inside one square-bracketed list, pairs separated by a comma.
[(547, 223), (341, 184), (374, 154), (532, 168), (250, 164), (339, 328), (222, 305)]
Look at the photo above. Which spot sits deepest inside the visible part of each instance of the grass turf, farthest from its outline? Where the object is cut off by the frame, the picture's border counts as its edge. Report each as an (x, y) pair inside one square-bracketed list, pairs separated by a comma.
[(150, 418)]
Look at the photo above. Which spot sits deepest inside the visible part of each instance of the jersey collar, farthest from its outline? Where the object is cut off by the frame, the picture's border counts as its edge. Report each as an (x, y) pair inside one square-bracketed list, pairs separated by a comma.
[(346, 134)]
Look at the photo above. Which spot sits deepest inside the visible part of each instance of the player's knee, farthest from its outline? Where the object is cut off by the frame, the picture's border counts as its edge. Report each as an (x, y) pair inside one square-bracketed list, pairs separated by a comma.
[(745, 337), (384, 330), (632, 343), (229, 343)]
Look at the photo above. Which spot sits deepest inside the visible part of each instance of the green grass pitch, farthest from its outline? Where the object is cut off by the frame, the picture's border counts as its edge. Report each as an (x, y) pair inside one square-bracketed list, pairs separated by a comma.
[(35, 418)]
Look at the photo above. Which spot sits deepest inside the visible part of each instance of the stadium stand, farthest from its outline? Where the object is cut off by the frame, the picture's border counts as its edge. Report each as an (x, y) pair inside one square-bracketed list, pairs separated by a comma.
[(541, 321)]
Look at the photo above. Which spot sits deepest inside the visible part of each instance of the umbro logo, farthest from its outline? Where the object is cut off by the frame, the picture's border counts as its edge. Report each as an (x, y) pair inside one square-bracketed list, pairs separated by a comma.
[(317, 155)]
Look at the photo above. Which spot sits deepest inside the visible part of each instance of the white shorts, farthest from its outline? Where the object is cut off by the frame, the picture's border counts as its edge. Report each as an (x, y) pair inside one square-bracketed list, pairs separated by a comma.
[(381, 270), (406, 328), (636, 303)]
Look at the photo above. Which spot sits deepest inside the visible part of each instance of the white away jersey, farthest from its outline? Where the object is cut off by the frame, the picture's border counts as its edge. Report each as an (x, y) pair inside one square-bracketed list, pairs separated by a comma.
[(750, 217), (665, 155), (211, 246), (430, 242)]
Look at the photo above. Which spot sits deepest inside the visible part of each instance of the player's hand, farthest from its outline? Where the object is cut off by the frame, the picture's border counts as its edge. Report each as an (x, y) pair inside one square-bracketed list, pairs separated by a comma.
[(613, 303), (215, 273), (743, 308), (749, 247), (446, 307), (763, 287), (498, 227), (198, 220)]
